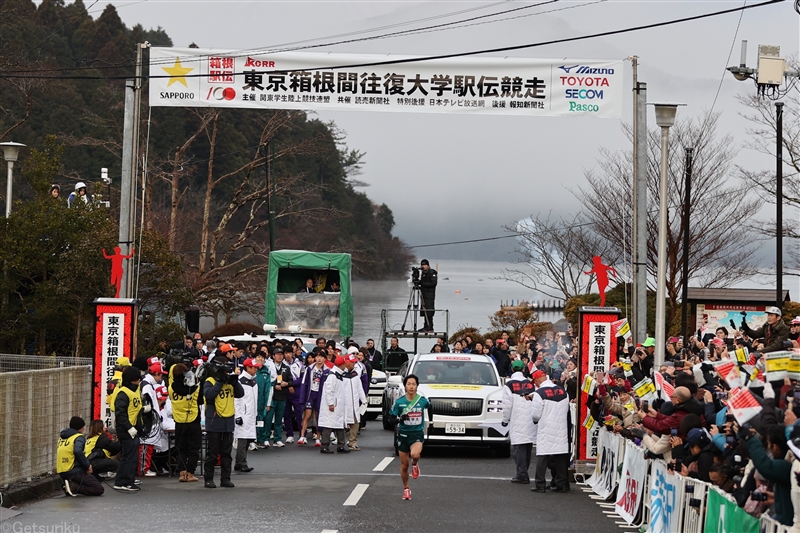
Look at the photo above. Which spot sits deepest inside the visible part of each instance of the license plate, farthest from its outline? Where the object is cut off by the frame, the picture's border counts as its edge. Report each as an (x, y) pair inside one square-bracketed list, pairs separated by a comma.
[(458, 429), (374, 400)]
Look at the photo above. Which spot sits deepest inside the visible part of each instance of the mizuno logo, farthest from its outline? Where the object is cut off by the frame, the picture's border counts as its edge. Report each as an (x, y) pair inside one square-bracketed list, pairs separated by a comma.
[(566, 68)]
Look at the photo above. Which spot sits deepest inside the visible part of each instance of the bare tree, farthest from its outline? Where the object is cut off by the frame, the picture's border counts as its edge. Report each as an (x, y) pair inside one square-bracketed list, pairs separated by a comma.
[(555, 254), (720, 251)]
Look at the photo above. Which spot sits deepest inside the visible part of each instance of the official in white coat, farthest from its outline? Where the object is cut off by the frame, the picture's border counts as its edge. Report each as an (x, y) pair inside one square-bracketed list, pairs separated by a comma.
[(355, 400), (332, 408), (246, 409), (518, 417), (551, 414), (153, 441)]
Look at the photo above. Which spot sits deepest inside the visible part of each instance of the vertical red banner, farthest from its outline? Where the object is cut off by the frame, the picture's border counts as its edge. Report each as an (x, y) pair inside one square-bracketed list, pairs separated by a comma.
[(114, 336), (597, 352)]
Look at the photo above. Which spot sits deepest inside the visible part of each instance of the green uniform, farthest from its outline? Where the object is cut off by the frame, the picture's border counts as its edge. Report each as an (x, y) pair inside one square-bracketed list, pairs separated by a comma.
[(412, 430)]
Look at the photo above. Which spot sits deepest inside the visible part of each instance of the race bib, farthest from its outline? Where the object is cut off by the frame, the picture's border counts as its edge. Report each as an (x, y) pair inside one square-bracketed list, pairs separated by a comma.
[(315, 384), (414, 419)]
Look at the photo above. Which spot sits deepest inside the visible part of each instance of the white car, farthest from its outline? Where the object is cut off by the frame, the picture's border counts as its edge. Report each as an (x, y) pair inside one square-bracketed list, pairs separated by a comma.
[(375, 396), (466, 396)]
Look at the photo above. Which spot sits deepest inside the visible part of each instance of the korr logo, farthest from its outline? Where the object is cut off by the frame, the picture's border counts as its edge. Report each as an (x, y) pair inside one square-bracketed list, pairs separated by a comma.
[(258, 63)]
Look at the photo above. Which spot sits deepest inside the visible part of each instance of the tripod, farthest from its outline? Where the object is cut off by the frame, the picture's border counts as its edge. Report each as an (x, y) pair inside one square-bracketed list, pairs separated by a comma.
[(414, 299)]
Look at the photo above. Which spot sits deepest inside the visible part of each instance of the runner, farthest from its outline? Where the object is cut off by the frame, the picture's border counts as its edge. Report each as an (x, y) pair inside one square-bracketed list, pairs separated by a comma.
[(409, 410)]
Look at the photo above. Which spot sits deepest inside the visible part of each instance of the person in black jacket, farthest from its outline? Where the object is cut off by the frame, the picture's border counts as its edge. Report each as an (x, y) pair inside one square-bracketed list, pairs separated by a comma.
[(773, 333), (219, 392), (127, 416), (428, 281), (100, 449), (71, 463), (374, 357)]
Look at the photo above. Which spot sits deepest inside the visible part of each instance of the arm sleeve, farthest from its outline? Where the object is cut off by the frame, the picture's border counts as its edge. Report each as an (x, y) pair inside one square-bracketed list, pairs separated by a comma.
[(80, 456), (238, 390), (104, 443), (753, 333), (772, 469), (327, 393), (508, 404), (719, 441), (538, 408), (182, 389), (121, 412), (210, 392), (776, 340)]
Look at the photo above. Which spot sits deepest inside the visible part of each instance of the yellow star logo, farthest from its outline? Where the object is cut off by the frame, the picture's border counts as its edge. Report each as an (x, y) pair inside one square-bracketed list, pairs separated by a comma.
[(177, 73)]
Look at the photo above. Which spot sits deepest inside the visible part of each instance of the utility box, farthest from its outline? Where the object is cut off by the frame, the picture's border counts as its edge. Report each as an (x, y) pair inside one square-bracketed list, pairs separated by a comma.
[(770, 65)]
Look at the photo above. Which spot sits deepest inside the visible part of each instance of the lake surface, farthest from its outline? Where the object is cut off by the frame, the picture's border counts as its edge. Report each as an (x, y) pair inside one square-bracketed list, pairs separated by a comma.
[(481, 294)]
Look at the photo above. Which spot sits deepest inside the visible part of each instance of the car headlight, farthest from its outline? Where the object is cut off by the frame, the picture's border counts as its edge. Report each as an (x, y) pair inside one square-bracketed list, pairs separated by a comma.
[(495, 402), (377, 380), (495, 410)]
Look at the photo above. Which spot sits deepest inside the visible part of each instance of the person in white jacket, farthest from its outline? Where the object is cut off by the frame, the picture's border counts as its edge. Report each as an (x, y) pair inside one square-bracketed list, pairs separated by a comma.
[(355, 400), (152, 441), (332, 409), (551, 414), (518, 417), (246, 409)]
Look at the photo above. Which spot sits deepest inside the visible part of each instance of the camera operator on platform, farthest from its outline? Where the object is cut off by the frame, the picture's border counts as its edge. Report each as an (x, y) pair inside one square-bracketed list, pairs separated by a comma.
[(427, 283), (219, 392)]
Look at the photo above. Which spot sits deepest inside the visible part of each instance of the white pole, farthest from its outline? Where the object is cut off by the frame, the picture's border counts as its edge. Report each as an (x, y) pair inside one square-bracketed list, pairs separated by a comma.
[(662, 252), (9, 185)]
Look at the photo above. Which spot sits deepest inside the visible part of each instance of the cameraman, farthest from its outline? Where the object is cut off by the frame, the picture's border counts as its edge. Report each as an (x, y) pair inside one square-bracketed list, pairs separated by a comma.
[(774, 332), (427, 282), (219, 392)]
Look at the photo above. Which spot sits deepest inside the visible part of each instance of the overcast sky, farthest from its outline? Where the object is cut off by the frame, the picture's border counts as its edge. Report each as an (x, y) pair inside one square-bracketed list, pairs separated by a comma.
[(457, 177)]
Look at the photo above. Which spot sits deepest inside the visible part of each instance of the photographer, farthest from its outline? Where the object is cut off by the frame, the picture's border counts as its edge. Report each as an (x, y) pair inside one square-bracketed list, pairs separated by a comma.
[(427, 282), (642, 360), (773, 333), (219, 392)]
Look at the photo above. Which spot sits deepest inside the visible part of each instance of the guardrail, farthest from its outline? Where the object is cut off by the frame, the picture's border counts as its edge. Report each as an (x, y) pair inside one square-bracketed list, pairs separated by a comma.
[(650, 496)]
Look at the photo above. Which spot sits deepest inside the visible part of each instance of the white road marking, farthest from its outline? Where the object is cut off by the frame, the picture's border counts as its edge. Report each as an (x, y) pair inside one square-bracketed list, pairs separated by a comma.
[(330, 531), (357, 493), (383, 464)]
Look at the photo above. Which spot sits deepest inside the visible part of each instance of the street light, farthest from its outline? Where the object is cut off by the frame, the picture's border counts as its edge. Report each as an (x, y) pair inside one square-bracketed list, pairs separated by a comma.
[(10, 153), (665, 119)]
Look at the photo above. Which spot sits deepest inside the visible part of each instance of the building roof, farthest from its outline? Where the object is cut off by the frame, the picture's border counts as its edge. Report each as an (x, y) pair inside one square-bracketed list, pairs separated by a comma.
[(697, 294)]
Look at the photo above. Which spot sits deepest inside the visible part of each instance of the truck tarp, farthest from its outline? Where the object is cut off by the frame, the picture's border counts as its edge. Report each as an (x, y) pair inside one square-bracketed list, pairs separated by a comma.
[(320, 312)]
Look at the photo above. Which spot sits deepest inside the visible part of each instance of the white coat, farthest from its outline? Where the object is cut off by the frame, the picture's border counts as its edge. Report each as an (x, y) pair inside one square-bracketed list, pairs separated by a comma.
[(518, 413), (332, 395), (156, 437), (550, 412), (353, 396), (246, 408)]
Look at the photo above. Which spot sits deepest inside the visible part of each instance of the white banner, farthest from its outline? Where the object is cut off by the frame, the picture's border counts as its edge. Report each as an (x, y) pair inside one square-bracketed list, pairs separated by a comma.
[(666, 500), (631, 484), (606, 472), (188, 77), (113, 342)]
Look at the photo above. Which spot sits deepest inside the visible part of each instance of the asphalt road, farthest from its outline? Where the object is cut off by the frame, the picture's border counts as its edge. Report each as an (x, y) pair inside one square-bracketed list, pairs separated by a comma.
[(297, 489)]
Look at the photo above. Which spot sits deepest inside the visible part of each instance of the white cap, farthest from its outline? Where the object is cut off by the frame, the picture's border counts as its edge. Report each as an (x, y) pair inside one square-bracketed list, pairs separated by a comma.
[(796, 320), (774, 310), (80, 185), (352, 349)]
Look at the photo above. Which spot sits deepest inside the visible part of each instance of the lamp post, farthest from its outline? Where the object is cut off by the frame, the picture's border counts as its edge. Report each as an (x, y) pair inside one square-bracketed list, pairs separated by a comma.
[(10, 154), (665, 119)]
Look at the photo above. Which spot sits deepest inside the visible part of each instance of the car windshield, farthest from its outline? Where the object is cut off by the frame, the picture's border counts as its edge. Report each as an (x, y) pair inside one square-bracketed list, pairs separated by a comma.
[(456, 373)]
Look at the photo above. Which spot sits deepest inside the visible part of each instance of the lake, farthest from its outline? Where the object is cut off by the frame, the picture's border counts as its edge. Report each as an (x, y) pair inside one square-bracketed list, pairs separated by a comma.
[(471, 290)]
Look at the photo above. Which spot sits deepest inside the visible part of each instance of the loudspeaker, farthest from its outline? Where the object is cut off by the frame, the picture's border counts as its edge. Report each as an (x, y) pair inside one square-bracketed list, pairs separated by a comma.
[(193, 319)]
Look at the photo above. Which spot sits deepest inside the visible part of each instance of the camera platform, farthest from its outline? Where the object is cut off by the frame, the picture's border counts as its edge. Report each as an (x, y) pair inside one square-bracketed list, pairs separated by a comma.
[(391, 320)]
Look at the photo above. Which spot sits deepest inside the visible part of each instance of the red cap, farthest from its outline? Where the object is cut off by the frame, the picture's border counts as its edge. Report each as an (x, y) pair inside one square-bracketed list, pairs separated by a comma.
[(352, 358), (153, 360), (538, 374), (156, 369), (197, 362), (161, 393), (339, 361), (251, 362)]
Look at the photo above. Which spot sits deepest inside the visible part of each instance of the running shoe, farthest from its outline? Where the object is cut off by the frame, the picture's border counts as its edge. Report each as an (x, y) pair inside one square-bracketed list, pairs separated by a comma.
[(126, 488), (150, 473), (289, 440), (252, 446), (279, 444), (407, 494), (414, 471), (137, 481), (301, 441), (70, 489), (266, 444), (317, 443)]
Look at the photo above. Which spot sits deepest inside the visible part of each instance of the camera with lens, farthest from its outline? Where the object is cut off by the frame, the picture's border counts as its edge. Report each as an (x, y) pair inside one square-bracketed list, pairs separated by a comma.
[(758, 496), (415, 275), (176, 356), (221, 369), (787, 344)]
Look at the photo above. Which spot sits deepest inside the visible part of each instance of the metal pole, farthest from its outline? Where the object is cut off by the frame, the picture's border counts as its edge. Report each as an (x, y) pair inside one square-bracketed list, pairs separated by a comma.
[(640, 299), (686, 232), (270, 198), (779, 202), (661, 280), (9, 186), (634, 184), (126, 180), (128, 264)]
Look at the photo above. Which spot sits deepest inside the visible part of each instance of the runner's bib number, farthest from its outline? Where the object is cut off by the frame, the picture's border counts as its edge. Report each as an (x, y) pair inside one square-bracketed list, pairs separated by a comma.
[(414, 419)]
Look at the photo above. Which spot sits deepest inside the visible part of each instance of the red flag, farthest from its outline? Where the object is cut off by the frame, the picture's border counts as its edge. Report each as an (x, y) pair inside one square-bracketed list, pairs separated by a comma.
[(743, 405)]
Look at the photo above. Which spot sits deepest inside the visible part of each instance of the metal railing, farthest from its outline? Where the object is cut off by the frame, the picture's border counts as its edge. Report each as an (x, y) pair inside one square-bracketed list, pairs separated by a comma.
[(17, 363), (35, 405)]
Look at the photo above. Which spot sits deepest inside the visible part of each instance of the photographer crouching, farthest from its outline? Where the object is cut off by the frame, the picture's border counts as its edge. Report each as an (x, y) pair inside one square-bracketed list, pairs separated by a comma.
[(427, 283), (219, 392)]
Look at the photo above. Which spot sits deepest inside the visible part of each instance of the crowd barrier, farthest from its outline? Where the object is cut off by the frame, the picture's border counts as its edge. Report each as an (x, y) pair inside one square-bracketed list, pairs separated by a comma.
[(35, 405), (648, 495)]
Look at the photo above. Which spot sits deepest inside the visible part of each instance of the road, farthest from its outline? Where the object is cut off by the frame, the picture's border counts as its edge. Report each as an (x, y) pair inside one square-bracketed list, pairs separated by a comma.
[(297, 489)]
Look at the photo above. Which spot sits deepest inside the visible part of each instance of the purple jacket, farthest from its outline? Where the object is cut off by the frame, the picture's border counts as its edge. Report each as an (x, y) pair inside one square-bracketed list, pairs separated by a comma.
[(305, 388)]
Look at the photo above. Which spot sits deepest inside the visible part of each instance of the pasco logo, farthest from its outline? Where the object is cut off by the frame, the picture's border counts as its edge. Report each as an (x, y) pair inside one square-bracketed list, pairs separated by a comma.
[(583, 69), (220, 93)]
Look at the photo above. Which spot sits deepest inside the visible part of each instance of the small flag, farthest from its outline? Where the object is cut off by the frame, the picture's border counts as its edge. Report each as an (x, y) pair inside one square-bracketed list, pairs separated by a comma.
[(644, 387), (741, 355), (743, 405), (777, 364), (588, 423), (729, 371), (621, 328), (589, 385), (666, 388)]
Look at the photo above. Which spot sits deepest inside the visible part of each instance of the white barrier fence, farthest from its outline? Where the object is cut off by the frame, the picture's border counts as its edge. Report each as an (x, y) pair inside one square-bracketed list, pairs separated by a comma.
[(648, 495)]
